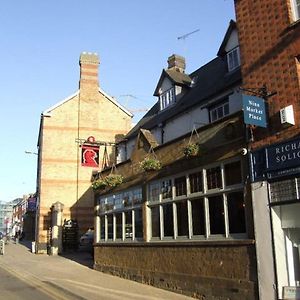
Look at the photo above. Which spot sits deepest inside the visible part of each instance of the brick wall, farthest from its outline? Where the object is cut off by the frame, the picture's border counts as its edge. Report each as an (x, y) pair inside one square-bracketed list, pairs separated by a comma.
[(269, 45), (62, 178)]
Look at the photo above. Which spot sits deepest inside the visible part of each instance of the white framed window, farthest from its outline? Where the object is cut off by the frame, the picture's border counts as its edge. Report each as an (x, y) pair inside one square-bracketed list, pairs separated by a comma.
[(206, 203), (219, 111), (121, 216), (167, 98), (296, 9), (233, 59)]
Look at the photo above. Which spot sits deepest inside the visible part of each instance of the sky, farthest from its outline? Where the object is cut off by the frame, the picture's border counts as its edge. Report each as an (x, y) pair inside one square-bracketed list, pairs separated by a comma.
[(41, 42)]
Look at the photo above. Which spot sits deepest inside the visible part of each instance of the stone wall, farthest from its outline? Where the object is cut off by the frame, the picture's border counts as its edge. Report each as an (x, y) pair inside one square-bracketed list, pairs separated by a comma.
[(220, 270)]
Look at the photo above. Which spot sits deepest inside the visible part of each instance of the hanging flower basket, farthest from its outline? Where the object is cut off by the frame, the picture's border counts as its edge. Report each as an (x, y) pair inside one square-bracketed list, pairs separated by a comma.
[(99, 184), (192, 149), (150, 164), (111, 180)]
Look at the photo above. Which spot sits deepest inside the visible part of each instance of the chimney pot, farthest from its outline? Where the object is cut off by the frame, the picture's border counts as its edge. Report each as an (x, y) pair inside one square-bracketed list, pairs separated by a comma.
[(177, 63)]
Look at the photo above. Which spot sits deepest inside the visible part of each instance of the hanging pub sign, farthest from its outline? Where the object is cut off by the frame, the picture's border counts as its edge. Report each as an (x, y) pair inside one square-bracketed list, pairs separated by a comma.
[(90, 153), (31, 204), (254, 111)]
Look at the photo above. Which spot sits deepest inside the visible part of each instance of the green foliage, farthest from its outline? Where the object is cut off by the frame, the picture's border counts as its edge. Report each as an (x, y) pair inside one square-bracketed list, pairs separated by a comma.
[(150, 164), (111, 180), (191, 149)]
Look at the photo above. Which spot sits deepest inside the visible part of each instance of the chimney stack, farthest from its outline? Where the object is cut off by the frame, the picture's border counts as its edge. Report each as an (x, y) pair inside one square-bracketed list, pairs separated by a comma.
[(89, 70), (177, 63)]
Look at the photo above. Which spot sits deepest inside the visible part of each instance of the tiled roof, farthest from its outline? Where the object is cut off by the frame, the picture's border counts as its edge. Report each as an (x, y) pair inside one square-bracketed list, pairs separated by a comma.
[(208, 81)]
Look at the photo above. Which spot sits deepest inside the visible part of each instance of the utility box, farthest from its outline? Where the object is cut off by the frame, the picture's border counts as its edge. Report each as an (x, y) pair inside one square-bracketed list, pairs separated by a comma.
[(287, 115)]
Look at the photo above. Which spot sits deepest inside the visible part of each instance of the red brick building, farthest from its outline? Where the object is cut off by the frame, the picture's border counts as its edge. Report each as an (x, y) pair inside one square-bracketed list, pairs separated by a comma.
[(269, 35)]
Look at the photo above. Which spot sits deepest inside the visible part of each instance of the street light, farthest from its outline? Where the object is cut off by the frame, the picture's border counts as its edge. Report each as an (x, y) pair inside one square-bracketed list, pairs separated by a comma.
[(29, 152)]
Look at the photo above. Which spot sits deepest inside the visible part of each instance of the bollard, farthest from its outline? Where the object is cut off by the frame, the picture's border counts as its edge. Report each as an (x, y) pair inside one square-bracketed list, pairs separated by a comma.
[(2, 247)]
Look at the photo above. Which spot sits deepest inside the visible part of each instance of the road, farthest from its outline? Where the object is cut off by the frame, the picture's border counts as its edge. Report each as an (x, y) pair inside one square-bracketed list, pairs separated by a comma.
[(13, 288)]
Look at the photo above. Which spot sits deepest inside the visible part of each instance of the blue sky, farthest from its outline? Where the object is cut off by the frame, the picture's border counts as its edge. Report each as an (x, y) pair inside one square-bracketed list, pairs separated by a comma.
[(40, 46)]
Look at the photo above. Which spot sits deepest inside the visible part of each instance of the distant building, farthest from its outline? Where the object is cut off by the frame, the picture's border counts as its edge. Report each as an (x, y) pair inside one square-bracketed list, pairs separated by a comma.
[(77, 137), (6, 215)]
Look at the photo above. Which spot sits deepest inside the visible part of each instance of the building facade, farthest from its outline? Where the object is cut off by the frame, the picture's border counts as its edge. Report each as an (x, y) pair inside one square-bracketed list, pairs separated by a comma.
[(180, 214), (269, 35), (76, 137)]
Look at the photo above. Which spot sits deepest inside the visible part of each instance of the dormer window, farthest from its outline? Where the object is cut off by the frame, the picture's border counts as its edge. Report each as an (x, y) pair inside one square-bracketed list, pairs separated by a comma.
[(167, 98), (233, 59)]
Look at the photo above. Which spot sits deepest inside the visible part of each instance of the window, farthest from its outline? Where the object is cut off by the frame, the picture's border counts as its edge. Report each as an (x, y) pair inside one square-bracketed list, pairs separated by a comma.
[(198, 216), (219, 111), (236, 212), (167, 98), (180, 186), (166, 189), (196, 182), (296, 9), (123, 215), (216, 215), (233, 173), (207, 209), (233, 59), (182, 219), (213, 178)]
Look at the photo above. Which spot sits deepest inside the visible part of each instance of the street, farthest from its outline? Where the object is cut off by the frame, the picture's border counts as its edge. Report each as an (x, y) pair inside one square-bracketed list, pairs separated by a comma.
[(13, 288), (25, 275)]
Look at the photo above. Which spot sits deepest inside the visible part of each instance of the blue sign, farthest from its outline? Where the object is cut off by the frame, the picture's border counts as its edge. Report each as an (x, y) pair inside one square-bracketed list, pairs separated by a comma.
[(275, 161), (254, 111), (284, 155)]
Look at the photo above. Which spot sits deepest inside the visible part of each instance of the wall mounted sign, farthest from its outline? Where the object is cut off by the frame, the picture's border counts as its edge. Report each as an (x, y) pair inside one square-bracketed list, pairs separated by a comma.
[(276, 161), (90, 155), (284, 155), (254, 111)]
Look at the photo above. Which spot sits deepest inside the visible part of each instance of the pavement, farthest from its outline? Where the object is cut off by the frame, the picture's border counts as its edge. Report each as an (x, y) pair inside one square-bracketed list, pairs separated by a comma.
[(72, 276)]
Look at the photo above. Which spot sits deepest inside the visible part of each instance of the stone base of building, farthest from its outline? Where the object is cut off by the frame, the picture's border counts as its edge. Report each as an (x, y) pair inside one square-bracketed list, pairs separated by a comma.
[(181, 270)]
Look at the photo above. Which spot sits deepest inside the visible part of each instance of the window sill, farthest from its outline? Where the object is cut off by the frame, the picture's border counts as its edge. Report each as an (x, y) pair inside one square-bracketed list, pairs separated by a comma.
[(178, 243)]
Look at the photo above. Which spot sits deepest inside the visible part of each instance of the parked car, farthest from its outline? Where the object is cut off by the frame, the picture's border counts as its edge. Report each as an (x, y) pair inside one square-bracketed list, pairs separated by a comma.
[(86, 241), (1, 235)]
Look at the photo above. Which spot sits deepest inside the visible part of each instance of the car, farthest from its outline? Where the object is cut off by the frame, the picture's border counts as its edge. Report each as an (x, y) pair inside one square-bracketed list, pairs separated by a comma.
[(1, 235), (86, 241)]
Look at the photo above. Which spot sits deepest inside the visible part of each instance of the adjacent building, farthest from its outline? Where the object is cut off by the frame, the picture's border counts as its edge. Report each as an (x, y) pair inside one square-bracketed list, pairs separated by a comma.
[(76, 137), (269, 35)]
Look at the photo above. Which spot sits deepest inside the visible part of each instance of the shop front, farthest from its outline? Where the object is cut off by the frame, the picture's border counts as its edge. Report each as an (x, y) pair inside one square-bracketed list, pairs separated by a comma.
[(277, 168)]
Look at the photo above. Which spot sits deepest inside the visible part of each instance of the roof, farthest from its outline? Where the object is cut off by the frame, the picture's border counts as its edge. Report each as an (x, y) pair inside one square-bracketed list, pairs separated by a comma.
[(209, 80), (50, 109), (231, 27), (178, 78)]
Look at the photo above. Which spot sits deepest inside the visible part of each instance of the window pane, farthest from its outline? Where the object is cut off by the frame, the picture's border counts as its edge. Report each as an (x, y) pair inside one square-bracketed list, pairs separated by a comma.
[(102, 228), (128, 224), (180, 186), (168, 220), (213, 115), (196, 182), (110, 201), (155, 221), (166, 189), (236, 212), (216, 215), (137, 196), (127, 199), (138, 223), (233, 173), (118, 201), (198, 216), (284, 190), (119, 226), (110, 227), (213, 177), (226, 109), (154, 192), (220, 112), (182, 219)]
